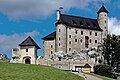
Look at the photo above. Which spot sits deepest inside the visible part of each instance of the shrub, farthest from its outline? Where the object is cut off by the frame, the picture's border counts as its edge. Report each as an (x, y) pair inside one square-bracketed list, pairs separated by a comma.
[(104, 70)]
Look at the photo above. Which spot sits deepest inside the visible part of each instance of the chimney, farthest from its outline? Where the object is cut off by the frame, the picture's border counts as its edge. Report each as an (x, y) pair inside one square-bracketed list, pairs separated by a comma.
[(58, 15)]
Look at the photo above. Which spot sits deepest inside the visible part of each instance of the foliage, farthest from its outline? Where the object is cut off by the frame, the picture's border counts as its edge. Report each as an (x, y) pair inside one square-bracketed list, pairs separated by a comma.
[(4, 58), (111, 49), (104, 70), (34, 72)]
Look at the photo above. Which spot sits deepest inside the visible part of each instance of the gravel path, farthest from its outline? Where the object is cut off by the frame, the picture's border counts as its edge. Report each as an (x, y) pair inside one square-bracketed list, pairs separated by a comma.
[(86, 76)]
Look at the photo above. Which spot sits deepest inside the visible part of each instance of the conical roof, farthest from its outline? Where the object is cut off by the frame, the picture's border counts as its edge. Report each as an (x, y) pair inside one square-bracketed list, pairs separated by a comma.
[(102, 9), (29, 42)]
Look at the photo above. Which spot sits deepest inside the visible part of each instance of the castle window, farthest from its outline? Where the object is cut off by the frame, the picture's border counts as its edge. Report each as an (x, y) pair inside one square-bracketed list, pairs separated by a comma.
[(69, 42), (90, 41), (59, 30), (88, 24), (51, 46), (75, 40), (69, 36), (59, 44), (74, 23), (105, 21), (95, 33), (81, 23), (81, 40), (26, 50), (81, 32), (86, 45), (51, 52), (76, 31), (95, 41), (90, 32), (59, 38), (69, 49)]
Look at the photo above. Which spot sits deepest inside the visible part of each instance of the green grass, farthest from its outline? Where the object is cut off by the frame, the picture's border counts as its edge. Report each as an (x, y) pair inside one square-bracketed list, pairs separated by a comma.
[(34, 72), (102, 77)]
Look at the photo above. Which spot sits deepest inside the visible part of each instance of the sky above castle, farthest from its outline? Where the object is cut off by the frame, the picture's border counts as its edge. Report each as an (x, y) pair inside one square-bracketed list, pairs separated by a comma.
[(22, 18)]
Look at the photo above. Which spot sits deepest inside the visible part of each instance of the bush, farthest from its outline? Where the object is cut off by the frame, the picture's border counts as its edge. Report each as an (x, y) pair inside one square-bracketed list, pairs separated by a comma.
[(104, 70)]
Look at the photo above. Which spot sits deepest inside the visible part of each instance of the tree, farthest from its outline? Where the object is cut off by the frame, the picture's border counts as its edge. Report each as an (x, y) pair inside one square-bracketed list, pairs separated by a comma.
[(111, 49)]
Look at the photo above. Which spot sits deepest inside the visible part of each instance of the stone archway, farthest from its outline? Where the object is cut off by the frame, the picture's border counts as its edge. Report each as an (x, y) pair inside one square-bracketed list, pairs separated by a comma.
[(27, 61)]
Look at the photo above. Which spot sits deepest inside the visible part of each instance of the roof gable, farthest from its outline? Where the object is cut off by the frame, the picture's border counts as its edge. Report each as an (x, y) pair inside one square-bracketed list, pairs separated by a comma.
[(29, 42), (86, 66)]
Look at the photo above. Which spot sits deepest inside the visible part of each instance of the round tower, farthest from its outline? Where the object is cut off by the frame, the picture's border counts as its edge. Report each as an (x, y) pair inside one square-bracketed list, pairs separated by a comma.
[(103, 22)]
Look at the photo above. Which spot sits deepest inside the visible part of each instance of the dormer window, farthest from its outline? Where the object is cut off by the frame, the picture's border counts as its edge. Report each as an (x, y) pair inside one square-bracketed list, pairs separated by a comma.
[(88, 24), (74, 23), (81, 23)]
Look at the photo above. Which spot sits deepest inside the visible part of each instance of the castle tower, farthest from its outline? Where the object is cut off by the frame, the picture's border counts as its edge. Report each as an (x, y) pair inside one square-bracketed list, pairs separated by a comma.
[(28, 51), (61, 32), (103, 22)]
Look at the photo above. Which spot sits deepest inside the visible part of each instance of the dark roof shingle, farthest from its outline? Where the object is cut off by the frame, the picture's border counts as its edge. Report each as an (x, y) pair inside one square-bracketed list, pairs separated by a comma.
[(102, 9), (51, 36), (79, 22), (86, 66), (29, 42)]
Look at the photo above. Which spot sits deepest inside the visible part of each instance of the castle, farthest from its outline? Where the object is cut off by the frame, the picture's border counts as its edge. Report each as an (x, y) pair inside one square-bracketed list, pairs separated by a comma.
[(74, 34), (66, 47)]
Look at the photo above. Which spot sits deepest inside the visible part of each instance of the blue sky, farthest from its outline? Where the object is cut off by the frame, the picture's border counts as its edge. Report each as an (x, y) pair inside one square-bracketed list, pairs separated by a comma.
[(22, 18)]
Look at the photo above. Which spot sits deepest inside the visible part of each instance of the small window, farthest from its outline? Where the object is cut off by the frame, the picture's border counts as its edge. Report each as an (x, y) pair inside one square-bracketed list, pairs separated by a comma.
[(88, 24), (26, 50), (81, 40), (69, 36), (74, 23), (95, 33), (69, 49), (69, 42), (95, 41), (75, 40), (59, 38), (59, 30), (59, 44), (51, 46), (81, 32), (86, 46), (105, 21), (90, 41), (51, 52), (90, 32), (76, 31), (69, 28), (81, 23)]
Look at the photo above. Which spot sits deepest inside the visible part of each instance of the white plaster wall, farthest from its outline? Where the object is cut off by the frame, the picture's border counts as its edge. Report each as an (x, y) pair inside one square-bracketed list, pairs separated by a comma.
[(31, 53)]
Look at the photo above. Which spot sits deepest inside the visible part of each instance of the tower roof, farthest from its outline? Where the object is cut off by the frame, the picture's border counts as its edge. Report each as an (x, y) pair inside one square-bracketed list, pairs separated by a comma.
[(50, 36), (102, 9), (29, 42)]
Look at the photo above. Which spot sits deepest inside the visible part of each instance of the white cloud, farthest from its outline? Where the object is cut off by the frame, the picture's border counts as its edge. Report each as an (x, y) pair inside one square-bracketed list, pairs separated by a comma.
[(114, 25), (25, 9), (7, 42)]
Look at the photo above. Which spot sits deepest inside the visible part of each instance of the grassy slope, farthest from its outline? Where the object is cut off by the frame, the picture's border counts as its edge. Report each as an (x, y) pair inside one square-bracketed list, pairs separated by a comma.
[(33, 72)]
